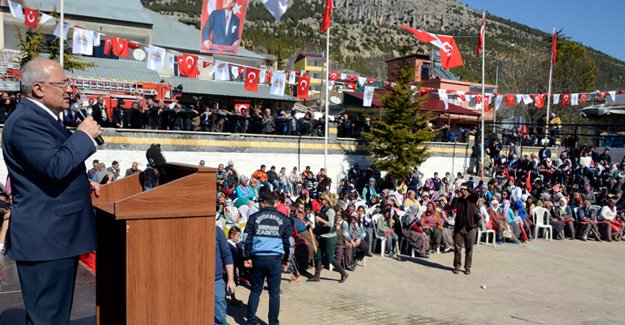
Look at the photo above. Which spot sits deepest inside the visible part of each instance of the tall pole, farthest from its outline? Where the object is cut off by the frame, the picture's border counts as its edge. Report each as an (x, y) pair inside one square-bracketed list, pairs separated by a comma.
[(549, 92), (325, 148), (483, 99), (61, 38), (497, 88)]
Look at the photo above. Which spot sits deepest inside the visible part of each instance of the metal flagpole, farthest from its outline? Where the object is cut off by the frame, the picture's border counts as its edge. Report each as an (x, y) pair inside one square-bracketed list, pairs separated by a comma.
[(483, 98), (325, 148), (495, 108), (61, 38), (549, 90)]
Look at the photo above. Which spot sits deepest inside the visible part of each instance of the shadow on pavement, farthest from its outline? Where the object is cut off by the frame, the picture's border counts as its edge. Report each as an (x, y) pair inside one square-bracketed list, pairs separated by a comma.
[(17, 316), (425, 262)]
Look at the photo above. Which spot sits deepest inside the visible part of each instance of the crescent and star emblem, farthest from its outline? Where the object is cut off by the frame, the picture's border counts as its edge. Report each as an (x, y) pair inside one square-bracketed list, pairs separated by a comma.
[(303, 84), (30, 17), (251, 77), (189, 64)]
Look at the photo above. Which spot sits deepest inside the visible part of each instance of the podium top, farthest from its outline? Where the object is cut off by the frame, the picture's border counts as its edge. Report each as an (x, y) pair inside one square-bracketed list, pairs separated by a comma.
[(186, 191)]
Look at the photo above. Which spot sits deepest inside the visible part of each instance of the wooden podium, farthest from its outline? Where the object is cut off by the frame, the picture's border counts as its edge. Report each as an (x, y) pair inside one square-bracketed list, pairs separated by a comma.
[(156, 258)]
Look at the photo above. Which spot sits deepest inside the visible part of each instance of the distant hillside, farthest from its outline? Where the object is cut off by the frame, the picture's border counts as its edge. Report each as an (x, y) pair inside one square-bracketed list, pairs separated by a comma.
[(364, 36)]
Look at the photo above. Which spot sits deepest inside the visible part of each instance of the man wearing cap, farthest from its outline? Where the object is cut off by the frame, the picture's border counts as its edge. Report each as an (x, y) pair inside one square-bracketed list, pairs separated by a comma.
[(465, 225), (232, 175), (266, 249)]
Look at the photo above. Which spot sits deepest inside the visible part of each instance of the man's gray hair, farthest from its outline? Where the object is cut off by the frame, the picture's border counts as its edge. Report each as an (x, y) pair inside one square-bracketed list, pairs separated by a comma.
[(32, 73)]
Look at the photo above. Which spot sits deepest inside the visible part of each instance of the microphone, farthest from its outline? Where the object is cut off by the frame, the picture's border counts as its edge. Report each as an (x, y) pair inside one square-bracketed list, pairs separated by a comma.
[(76, 109)]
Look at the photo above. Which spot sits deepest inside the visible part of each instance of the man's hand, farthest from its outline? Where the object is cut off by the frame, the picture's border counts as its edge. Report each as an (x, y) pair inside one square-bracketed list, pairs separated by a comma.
[(237, 43), (95, 187), (90, 126), (230, 286), (248, 264)]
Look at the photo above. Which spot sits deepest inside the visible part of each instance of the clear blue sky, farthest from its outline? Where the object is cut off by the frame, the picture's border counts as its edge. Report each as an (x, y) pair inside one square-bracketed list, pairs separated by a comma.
[(599, 24)]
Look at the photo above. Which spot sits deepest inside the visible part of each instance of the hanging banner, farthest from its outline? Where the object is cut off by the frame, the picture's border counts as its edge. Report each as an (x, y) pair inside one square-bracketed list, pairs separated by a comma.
[(222, 26)]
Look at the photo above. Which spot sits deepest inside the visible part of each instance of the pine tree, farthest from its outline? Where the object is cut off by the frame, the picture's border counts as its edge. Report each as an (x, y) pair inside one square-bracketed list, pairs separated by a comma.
[(397, 139)]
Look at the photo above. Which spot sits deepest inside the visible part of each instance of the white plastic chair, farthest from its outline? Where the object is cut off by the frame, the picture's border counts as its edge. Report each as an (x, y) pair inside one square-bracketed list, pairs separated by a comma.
[(539, 216), (379, 237), (481, 230)]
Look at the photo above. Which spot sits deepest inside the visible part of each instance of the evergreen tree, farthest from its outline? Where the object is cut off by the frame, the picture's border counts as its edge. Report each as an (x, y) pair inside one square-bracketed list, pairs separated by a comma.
[(397, 139)]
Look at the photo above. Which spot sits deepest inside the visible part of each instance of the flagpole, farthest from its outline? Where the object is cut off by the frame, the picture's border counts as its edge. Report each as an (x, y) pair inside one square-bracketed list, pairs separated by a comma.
[(325, 148), (549, 90), (61, 39), (483, 98)]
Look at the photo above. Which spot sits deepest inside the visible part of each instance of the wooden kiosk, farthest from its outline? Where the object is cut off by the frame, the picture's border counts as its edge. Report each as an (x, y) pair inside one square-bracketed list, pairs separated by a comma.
[(156, 259)]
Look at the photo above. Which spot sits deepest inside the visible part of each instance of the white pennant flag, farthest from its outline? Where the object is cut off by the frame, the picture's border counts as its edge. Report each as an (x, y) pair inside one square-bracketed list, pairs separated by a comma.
[(556, 99), (343, 76), (330, 83), (277, 8), (292, 78), (278, 80), (527, 99), (171, 59), (367, 98), (82, 42), (57, 30), (234, 71), (44, 18), (96, 39), (574, 99), (262, 76), (156, 58), (361, 81), (519, 98), (442, 95), (470, 102), (16, 9), (612, 94), (221, 70), (498, 102)]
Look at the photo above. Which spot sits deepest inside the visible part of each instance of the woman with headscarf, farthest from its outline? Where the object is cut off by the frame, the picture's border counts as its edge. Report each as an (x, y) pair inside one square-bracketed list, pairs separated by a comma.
[(556, 224), (411, 200), (564, 213), (369, 190), (414, 234), (304, 199), (304, 243), (244, 190), (325, 230), (432, 222)]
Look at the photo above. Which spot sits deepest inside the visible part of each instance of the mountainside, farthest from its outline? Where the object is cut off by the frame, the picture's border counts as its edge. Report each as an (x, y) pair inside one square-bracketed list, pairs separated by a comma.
[(363, 36)]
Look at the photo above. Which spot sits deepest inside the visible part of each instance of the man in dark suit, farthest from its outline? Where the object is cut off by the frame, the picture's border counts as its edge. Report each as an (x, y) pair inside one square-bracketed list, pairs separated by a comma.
[(223, 25), (52, 219)]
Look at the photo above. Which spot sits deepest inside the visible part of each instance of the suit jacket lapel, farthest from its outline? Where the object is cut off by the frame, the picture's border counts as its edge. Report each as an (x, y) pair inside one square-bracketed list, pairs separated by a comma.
[(55, 123)]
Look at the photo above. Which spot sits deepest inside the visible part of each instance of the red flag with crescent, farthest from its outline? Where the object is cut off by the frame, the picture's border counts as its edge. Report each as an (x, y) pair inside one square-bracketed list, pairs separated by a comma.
[(602, 95), (510, 100), (566, 99), (334, 76), (31, 17), (480, 38), (327, 15), (583, 98), (187, 65), (108, 45), (120, 46), (539, 101), (303, 86), (251, 79)]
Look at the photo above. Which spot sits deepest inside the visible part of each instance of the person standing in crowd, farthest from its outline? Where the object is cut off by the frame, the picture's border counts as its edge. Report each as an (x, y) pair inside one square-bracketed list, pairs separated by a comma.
[(325, 229), (266, 249), (51, 192), (465, 225), (224, 266)]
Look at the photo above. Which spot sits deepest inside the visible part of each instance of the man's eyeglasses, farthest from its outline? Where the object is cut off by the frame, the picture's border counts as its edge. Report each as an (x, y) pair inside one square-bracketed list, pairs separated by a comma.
[(63, 84)]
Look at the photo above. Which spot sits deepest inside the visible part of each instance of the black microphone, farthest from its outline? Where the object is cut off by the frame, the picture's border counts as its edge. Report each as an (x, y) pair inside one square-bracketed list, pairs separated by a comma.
[(76, 109)]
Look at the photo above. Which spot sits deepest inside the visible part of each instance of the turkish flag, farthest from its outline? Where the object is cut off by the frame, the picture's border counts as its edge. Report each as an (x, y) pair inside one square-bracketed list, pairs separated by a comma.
[(31, 17), (206, 64), (327, 15), (351, 86), (566, 99), (539, 101), (510, 100), (554, 47), (478, 99), (269, 74), (528, 182), (450, 54), (120, 46), (240, 69), (480, 38), (602, 95), (133, 45), (108, 45), (303, 86), (187, 65), (582, 98), (251, 79), (370, 80), (334, 76)]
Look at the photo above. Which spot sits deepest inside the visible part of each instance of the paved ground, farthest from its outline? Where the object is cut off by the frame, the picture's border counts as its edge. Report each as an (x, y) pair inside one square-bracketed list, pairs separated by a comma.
[(559, 282)]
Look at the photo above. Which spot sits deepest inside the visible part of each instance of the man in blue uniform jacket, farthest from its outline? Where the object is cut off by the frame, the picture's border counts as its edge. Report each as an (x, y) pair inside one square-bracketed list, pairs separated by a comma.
[(52, 219), (224, 25)]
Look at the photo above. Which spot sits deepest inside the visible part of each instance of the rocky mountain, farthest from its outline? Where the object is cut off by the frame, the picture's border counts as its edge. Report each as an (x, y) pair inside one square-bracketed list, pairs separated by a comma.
[(363, 36)]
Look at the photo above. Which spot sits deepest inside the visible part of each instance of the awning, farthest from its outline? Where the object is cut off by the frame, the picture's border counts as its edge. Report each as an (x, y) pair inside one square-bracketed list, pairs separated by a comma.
[(432, 105)]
